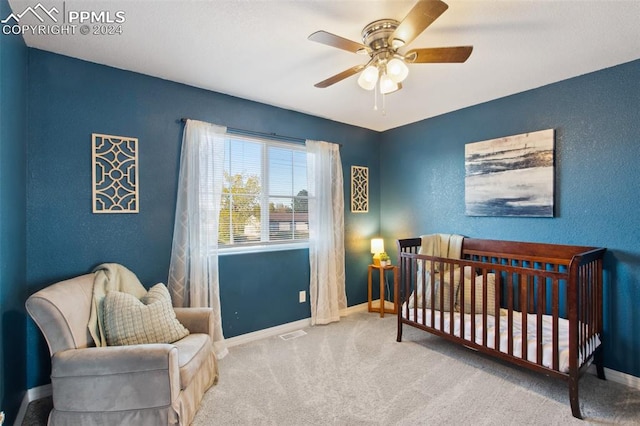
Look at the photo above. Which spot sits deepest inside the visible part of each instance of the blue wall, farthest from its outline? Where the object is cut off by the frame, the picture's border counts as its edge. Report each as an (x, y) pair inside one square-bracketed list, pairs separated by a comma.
[(421, 182), (597, 123), (13, 142), (71, 99)]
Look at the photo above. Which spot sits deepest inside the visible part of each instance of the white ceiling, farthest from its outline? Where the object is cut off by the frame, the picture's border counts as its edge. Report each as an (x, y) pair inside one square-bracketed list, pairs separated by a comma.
[(258, 50)]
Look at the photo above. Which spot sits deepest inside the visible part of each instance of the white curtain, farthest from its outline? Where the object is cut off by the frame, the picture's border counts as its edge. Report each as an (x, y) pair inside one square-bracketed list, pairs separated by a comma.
[(193, 272), (327, 293)]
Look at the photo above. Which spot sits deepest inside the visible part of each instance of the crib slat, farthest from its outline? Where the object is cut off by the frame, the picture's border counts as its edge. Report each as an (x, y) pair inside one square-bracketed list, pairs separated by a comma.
[(555, 352), (540, 311), (510, 314), (498, 292), (581, 310), (440, 303), (524, 284), (452, 287), (485, 296), (531, 291), (598, 296), (433, 297), (587, 311), (461, 317), (597, 320), (473, 312), (423, 291)]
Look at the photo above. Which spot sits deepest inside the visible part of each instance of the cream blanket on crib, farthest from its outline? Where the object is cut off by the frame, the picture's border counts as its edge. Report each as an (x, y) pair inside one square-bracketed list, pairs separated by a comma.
[(108, 277), (441, 245), (438, 245)]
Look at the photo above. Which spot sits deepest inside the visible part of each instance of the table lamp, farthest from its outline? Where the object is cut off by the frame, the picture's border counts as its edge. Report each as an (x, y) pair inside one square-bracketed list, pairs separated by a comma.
[(377, 247)]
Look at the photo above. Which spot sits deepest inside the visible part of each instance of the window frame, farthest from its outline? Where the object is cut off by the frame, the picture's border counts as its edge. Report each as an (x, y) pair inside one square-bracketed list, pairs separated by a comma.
[(262, 245)]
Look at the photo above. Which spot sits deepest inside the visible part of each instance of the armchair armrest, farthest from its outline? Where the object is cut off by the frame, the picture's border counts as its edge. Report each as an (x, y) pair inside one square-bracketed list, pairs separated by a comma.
[(115, 378), (196, 320)]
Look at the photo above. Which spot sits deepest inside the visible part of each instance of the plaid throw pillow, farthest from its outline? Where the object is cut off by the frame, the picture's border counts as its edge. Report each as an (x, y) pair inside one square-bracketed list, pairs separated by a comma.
[(129, 321)]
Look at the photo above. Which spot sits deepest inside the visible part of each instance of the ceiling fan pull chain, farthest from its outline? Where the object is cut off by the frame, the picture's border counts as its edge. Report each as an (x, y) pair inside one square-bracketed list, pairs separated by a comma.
[(375, 97), (384, 106)]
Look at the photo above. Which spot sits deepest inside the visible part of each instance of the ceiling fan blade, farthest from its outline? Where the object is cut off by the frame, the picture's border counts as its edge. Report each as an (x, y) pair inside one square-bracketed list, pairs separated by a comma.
[(419, 18), (432, 55), (339, 77), (336, 41)]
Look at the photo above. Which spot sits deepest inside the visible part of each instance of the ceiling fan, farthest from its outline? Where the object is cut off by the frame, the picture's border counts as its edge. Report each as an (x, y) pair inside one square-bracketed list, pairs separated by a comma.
[(382, 41)]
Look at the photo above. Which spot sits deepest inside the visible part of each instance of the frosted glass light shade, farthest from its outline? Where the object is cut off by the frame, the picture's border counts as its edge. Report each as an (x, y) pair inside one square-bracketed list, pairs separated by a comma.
[(387, 85), (397, 70), (368, 78)]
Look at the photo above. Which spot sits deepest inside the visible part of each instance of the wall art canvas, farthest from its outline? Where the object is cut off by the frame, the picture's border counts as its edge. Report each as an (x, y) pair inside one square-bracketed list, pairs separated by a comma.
[(115, 174), (359, 189), (511, 176)]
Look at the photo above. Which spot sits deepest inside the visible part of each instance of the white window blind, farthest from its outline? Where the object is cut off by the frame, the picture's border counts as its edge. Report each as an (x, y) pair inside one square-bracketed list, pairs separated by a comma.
[(264, 196)]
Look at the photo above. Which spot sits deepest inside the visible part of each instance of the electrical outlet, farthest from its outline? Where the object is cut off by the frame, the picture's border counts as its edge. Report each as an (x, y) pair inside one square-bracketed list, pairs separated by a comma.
[(302, 296)]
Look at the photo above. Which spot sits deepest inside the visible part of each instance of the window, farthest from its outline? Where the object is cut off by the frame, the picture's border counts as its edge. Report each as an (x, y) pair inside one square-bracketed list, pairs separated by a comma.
[(264, 195)]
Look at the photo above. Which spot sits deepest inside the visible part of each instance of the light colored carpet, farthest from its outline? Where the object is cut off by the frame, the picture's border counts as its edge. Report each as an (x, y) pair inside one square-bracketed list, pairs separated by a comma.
[(355, 373)]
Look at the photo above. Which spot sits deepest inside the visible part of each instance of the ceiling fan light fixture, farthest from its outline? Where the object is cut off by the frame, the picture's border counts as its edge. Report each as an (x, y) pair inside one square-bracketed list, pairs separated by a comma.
[(397, 70), (368, 78), (387, 85)]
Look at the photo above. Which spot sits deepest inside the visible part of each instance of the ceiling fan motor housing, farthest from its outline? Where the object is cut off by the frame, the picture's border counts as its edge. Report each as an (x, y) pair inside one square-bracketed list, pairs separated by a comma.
[(376, 35)]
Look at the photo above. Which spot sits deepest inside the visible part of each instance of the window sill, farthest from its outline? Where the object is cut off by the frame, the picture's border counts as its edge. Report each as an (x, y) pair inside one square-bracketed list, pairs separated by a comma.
[(263, 248)]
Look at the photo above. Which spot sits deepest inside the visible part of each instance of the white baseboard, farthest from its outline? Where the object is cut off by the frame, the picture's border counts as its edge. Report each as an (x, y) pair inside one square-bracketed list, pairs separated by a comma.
[(284, 328), (617, 377), (267, 332)]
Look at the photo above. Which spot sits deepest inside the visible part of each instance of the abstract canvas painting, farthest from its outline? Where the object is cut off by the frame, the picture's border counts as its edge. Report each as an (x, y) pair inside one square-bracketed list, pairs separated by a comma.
[(510, 176)]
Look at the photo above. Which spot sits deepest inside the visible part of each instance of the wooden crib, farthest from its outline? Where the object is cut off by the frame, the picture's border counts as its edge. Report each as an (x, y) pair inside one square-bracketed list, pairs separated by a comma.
[(532, 304)]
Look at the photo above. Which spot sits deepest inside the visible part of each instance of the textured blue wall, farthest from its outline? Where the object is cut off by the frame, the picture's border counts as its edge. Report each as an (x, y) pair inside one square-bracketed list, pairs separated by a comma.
[(597, 122), (13, 142), (70, 99)]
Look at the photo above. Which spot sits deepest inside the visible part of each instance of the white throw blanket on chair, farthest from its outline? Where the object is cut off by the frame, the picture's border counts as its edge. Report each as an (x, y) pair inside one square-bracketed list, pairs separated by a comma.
[(108, 277)]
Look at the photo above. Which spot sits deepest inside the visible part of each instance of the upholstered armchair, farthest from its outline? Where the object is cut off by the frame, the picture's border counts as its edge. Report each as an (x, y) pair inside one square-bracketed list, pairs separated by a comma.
[(144, 384)]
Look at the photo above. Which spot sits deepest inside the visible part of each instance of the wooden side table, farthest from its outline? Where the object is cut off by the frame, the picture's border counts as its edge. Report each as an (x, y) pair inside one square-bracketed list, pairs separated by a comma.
[(383, 308)]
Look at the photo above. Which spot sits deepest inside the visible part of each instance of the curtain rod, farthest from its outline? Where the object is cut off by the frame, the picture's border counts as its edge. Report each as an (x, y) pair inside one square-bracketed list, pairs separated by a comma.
[(261, 134)]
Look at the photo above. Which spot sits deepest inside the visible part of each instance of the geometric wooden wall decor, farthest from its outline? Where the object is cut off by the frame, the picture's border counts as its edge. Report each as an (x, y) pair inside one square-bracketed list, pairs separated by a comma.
[(115, 174), (359, 189)]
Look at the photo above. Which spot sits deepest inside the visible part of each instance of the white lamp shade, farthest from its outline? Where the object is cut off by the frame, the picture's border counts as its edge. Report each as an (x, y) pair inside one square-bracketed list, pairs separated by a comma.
[(397, 70), (368, 78), (377, 245), (387, 85)]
